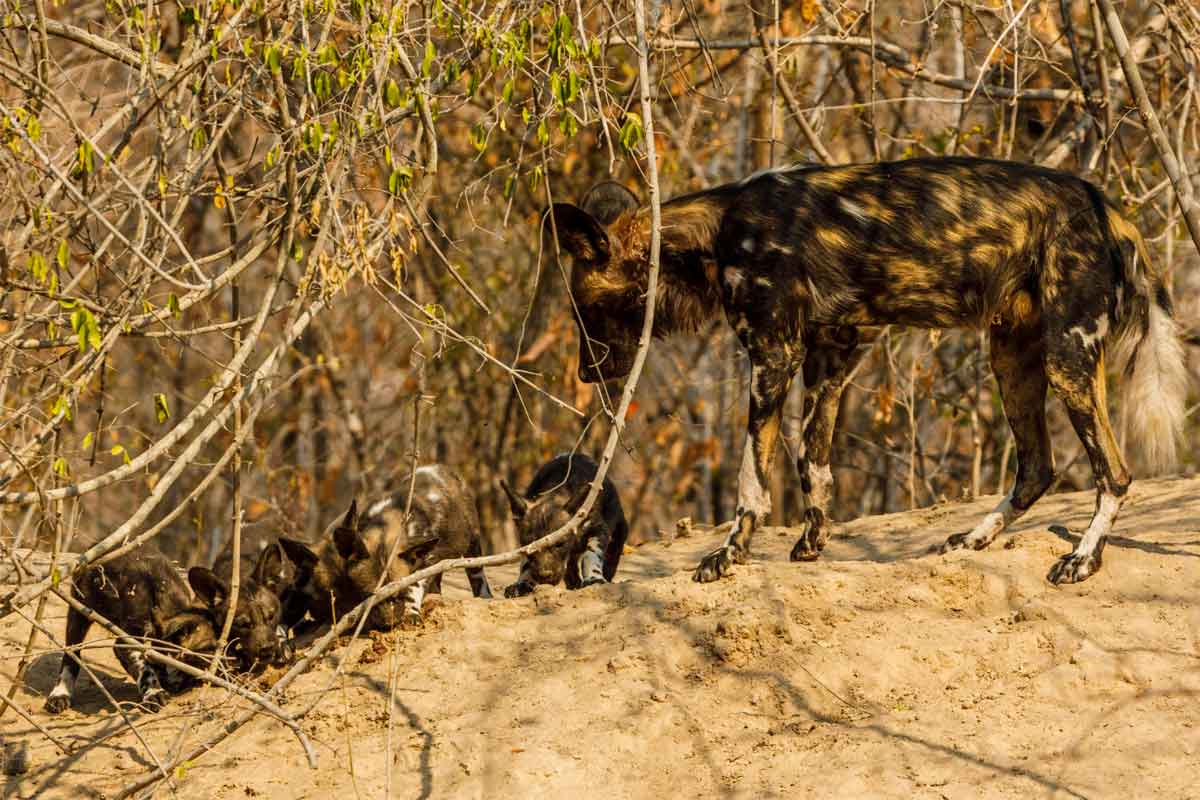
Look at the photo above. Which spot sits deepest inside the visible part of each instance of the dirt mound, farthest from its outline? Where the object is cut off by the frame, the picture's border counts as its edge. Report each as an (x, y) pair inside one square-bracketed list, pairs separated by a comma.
[(879, 671)]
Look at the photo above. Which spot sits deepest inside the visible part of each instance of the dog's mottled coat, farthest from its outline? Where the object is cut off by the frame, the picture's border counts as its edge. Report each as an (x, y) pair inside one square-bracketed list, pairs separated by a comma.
[(807, 260), (555, 493), (142, 594), (346, 566)]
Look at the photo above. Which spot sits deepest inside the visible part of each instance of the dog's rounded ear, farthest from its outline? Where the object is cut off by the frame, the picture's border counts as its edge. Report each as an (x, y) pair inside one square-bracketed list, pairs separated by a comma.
[(414, 553), (351, 518), (518, 504), (207, 586), (268, 570), (349, 544), (579, 234), (608, 200), (577, 497), (298, 553)]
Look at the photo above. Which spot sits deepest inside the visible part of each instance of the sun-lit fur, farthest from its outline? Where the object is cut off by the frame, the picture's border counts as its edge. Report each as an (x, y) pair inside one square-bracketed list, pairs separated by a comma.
[(1037, 257), (359, 552), (142, 594), (553, 496)]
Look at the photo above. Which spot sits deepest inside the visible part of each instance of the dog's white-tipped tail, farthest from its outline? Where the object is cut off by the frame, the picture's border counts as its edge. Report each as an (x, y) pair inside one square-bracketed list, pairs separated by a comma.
[(1155, 390)]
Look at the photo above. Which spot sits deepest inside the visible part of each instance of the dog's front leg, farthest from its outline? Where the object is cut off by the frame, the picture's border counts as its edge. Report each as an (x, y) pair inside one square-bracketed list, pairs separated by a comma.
[(816, 477), (769, 382)]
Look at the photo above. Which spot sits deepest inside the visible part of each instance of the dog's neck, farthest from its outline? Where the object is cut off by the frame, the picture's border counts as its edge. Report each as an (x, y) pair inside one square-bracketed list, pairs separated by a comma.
[(688, 292)]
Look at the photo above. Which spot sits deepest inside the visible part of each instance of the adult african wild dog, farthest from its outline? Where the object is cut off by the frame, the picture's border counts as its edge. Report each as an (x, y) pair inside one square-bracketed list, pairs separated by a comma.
[(142, 594), (551, 499), (801, 259), (346, 566)]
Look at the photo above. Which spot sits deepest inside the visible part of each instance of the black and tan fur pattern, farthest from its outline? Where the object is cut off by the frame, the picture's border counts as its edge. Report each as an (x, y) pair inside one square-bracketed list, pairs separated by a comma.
[(805, 261), (557, 491), (141, 593), (346, 566), (257, 635)]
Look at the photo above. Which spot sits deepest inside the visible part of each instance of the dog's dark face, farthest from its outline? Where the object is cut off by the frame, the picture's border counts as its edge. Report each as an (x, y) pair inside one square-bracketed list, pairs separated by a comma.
[(608, 240), (254, 636), (543, 515), (610, 306), (347, 565)]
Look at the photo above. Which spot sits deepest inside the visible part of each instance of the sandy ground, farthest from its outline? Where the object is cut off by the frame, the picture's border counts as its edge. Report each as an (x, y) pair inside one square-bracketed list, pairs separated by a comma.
[(880, 671)]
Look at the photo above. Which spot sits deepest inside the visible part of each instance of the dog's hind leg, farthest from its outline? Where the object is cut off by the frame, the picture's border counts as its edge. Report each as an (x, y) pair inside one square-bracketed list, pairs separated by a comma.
[(1076, 370), (1019, 365), (768, 390)]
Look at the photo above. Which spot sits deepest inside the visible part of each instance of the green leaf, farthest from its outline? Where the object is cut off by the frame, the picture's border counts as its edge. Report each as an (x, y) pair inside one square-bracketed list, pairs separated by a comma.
[(297, 251), (199, 138), (61, 469), (173, 304), (34, 128), (391, 93), (430, 54), (119, 450), (506, 93), (543, 134), (55, 577), (63, 254), (37, 267), (161, 411), (61, 406), (479, 137), (87, 440), (631, 132), (399, 180), (273, 58)]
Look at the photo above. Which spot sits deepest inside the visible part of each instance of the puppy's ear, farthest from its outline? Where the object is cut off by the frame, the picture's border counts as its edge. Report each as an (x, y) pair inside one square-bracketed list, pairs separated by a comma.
[(268, 571), (608, 200), (207, 586), (518, 504), (350, 544), (414, 553), (577, 497), (579, 234), (299, 554)]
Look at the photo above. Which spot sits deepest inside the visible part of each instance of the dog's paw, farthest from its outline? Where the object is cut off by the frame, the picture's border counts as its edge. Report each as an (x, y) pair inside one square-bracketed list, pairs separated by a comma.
[(718, 564), (57, 703), (1073, 568), (592, 582), (810, 544), (962, 541), (518, 589), (154, 700)]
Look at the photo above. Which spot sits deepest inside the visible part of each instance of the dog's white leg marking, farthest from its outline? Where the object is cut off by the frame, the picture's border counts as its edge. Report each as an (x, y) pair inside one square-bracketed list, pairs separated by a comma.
[(820, 482), (753, 497), (414, 597), (982, 534), (1084, 561), (66, 681), (591, 563), (992, 524)]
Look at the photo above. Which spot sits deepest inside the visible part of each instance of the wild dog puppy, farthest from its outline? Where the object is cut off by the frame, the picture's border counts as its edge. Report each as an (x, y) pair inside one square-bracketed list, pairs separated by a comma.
[(257, 636), (800, 259), (551, 499), (345, 567), (141, 593)]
